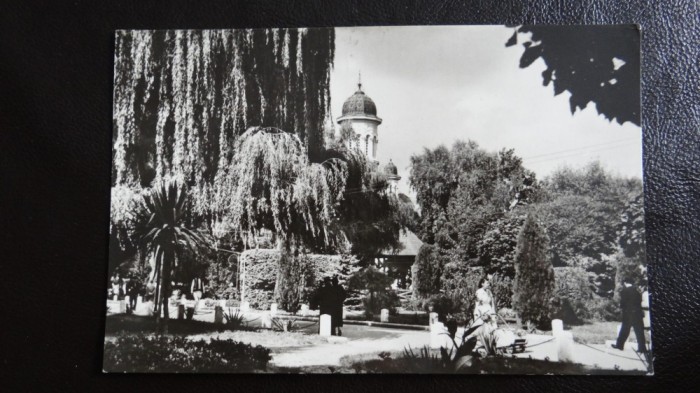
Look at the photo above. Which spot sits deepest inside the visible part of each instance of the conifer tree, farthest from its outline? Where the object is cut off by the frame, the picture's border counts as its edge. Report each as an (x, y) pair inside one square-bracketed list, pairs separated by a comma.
[(533, 286)]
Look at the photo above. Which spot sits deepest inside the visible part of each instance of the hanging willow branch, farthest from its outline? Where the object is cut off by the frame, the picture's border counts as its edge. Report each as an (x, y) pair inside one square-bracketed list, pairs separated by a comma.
[(276, 188)]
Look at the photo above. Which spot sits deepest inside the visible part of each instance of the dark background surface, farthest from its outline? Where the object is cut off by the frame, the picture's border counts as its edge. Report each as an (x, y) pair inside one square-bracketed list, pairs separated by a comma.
[(56, 63)]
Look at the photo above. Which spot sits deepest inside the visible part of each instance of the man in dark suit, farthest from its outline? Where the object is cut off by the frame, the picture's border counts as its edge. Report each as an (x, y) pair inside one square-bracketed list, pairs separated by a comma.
[(632, 316)]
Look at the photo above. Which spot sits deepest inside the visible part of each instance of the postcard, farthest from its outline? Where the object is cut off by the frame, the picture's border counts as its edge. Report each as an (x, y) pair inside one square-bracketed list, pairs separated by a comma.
[(409, 199)]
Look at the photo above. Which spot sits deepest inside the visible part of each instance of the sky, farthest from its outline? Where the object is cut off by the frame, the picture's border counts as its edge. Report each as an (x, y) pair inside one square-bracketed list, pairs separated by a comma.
[(439, 84)]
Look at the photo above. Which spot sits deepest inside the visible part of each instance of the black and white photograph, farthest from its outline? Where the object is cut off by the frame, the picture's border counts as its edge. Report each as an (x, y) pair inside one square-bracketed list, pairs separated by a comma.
[(368, 200)]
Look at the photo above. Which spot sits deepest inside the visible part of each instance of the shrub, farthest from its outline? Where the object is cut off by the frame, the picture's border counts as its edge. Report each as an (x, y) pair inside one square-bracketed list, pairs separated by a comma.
[(460, 282), (378, 294), (163, 354), (573, 295), (426, 272), (235, 320)]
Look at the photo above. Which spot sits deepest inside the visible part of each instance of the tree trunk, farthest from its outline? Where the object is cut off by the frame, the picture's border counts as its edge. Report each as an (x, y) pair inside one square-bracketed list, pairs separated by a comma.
[(289, 276), (165, 289)]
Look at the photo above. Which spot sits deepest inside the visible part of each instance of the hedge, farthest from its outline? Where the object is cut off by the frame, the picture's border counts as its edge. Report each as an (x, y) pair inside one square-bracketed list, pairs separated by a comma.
[(261, 265)]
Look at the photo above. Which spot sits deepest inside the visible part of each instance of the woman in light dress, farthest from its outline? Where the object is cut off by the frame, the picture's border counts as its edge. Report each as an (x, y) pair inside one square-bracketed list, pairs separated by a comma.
[(484, 323)]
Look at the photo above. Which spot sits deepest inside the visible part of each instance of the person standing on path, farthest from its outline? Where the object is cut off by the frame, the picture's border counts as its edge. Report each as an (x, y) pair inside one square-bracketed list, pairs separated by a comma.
[(326, 300), (339, 296), (197, 288), (632, 316)]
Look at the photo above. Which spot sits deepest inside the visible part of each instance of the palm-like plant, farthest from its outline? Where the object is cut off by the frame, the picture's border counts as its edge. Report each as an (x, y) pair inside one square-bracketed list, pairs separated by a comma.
[(165, 235)]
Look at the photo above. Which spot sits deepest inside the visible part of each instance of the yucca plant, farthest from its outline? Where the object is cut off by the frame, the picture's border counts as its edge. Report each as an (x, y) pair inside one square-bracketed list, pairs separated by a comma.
[(165, 234)]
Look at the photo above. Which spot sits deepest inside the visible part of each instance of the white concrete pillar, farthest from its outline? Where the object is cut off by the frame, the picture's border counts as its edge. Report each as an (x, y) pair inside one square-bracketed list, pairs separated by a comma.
[(273, 309), (304, 310), (325, 322), (433, 318), (565, 346), (222, 303), (384, 316), (245, 306), (557, 326), (437, 337)]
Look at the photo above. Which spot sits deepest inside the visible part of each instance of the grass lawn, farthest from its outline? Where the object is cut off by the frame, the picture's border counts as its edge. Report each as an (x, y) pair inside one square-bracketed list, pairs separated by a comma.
[(197, 330), (599, 332)]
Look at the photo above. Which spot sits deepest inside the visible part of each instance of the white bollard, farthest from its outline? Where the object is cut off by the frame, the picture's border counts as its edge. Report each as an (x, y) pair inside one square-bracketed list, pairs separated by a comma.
[(565, 347), (304, 310), (266, 321), (222, 303), (557, 327), (433, 318), (245, 306), (325, 322), (384, 316), (437, 335), (273, 309)]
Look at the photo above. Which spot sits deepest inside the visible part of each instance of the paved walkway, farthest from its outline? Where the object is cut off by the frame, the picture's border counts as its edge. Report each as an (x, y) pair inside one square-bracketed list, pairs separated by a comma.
[(361, 340)]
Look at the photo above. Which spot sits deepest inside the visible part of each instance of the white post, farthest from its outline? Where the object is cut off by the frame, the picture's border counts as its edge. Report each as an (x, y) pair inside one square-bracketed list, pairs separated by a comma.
[(565, 347), (557, 327), (433, 318), (325, 322), (437, 335), (139, 300), (304, 310), (384, 315), (273, 309), (245, 306), (266, 321)]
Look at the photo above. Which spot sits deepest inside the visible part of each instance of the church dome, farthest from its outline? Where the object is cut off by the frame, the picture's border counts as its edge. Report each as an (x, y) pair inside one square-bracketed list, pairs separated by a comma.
[(390, 169), (359, 104)]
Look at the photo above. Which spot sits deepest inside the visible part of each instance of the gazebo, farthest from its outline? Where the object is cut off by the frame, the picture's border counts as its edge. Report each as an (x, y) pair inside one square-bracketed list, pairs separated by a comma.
[(396, 263)]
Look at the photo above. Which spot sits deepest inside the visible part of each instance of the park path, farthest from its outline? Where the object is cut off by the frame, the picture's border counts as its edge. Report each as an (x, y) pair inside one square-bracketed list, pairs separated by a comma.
[(595, 355), (364, 341)]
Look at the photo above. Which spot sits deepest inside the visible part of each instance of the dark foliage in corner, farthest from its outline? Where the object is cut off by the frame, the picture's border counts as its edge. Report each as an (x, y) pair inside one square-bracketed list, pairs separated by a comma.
[(162, 354), (600, 67)]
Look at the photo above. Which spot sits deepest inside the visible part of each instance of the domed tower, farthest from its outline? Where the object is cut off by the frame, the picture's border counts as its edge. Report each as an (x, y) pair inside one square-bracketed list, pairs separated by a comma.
[(360, 114), (392, 174)]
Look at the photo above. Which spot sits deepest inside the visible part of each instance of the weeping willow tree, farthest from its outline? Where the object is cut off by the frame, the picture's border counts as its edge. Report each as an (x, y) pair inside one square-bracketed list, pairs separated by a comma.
[(276, 188), (183, 98)]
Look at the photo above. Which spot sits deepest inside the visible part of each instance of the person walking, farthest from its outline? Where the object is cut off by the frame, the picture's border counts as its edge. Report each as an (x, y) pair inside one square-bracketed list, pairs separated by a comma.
[(339, 296), (632, 316)]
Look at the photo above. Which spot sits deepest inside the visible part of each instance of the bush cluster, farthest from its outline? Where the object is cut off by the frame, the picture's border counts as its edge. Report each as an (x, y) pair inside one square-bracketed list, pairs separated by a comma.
[(163, 354), (261, 268)]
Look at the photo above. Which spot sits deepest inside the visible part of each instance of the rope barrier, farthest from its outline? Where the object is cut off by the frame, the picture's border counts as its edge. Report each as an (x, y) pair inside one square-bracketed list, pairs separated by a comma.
[(611, 354)]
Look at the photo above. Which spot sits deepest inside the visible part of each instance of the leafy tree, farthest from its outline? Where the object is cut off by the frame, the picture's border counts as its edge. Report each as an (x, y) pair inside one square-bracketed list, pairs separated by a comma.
[(462, 193), (631, 231), (533, 286), (599, 64), (583, 214), (318, 207), (497, 247), (166, 236)]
